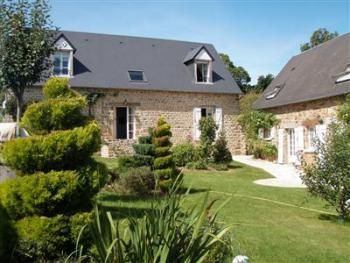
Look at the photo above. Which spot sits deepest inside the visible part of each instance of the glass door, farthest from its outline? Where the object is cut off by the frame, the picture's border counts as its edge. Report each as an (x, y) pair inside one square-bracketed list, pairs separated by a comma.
[(292, 157)]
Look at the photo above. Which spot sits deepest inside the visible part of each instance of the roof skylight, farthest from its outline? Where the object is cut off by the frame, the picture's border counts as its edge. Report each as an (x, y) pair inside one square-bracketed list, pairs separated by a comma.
[(136, 75), (272, 94)]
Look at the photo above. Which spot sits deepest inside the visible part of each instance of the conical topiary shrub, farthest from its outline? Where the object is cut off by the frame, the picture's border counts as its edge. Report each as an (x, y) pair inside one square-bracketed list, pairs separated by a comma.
[(164, 165), (49, 200), (144, 151)]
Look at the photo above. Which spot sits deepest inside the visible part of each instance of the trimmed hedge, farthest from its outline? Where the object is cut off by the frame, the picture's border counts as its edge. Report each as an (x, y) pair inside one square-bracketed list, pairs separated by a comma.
[(54, 114), (184, 153), (77, 222), (62, 150), (51, 193)]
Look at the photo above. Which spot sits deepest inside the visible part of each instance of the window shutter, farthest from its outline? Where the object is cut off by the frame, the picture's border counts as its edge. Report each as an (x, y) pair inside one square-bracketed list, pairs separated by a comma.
[(218, 119), (321, 131), (273, 132), (261, 133), (196, 119), (299, 138), (280, 145)]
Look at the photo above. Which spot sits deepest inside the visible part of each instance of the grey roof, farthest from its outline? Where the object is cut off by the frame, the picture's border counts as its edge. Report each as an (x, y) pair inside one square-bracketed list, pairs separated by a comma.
[(311, 75), (193, 53), (103, 61)]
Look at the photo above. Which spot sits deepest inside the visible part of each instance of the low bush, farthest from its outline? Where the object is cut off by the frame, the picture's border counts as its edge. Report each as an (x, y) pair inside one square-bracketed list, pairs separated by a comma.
[(198, 165), (140, 181), (42, 238), (57, 87), (184, 153), (54, 114), (61, 150), (219, 166), (264, 150), (126, 162)]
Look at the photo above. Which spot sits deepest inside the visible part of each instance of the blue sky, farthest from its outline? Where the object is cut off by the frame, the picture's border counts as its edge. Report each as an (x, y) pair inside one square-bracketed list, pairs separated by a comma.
[(260, 35)]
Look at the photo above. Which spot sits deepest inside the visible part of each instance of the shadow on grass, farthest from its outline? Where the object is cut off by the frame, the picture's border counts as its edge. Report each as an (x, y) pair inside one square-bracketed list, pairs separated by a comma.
[(334, 219), (234, 166)]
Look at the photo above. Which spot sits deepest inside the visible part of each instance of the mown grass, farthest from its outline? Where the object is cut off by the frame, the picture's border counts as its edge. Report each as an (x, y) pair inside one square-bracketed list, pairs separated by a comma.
[(270, 224)]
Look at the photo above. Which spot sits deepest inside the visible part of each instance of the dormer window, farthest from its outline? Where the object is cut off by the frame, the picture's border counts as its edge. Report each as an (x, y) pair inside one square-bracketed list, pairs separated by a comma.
[(202, 61), (63, 58), (61, 64), (202, 72)]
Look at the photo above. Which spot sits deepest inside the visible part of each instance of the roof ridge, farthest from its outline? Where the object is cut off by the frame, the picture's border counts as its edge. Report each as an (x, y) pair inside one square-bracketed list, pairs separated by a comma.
[(137, 37)]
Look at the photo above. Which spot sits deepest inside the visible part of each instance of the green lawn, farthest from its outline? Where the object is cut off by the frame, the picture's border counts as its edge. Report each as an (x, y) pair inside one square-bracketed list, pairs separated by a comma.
[(270, 224)]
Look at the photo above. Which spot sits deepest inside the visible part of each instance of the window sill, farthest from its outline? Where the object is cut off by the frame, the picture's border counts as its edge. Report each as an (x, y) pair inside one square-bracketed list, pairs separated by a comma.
[(205, 83)]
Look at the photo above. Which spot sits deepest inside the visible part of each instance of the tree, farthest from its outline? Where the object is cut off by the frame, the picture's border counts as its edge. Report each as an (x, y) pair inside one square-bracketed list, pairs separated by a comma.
[(329, 176), (263, 82), (240, 75), (208, 128), (26, 43), (221, 153), (318, 37)]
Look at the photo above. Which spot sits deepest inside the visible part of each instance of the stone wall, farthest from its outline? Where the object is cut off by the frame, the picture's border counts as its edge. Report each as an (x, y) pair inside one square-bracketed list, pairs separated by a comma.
[(176, 107)]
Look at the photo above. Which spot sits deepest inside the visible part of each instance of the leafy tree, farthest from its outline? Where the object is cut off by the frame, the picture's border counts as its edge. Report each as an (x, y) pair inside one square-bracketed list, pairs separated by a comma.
[(329, 176), (240, 74), (318, 37), (263, 82), (26, 43)]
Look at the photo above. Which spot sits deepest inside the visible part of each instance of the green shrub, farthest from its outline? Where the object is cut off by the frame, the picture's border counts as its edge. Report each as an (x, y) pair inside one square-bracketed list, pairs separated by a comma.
[(41, 194), (144, 151), (7, 236), (42, 238), (208, 128), (163, 163), (57, 87), (140, 181), (344, 111), (221, 153), (126, 162), (53, 192), (54, 114), (184, 153), (63, 150), (81, 222), (198, 165), (219, 166), (264, 150)]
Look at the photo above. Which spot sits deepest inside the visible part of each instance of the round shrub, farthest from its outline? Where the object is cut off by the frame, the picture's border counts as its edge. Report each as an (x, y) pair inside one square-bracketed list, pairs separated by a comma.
[(61, 150), (264, 150), (140, 181), (54, 114), (58, 87), (42, 238), (184, 153)]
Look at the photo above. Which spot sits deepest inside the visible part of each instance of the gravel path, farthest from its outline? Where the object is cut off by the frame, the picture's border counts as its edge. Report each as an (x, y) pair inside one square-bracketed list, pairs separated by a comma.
[(285, 175)]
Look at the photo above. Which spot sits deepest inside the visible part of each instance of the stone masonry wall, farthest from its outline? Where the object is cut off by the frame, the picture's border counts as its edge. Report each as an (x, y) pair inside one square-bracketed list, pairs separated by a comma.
[(176, 107)]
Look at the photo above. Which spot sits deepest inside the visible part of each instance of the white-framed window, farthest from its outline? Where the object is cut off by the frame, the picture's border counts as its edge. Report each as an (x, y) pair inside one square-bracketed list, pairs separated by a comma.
[(62, 63), (125, 123), (272, 94), (137, 76), (266, 133), (202, 72)]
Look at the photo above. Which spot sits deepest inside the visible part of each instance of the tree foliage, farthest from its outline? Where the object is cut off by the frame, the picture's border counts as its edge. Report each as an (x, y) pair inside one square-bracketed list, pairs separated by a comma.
[(240, 74), (329, 176), (221, 153), (318, 37), (263, 82), (208, 128), (26, 43)]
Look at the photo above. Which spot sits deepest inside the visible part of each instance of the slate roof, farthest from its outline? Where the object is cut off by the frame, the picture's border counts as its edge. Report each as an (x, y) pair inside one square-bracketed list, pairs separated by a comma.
[(103, 61), (311, 75)]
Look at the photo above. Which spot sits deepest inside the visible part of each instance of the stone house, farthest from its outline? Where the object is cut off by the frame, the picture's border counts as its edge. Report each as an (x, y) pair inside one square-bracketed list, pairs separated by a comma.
[(136, 80), (304, 96)]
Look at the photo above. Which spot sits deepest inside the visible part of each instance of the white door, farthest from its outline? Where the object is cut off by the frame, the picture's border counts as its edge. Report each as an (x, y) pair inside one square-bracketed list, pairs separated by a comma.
[(292, 157), (280, 145)]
